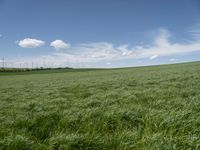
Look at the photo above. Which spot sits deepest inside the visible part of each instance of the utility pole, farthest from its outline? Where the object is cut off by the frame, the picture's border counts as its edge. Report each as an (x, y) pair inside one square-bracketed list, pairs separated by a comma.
[(32, 65), (3, 65), (43, 62)]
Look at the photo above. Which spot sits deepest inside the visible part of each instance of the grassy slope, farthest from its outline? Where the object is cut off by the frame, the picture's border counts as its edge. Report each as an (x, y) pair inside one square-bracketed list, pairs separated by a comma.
[(143, 108)]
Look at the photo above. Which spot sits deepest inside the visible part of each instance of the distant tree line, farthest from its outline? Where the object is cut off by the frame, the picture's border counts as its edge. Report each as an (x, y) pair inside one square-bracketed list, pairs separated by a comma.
[(30, 69)]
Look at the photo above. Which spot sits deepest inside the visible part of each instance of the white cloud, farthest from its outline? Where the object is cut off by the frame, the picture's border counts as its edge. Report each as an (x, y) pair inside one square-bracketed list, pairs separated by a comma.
[(162, 39), (59, 45), (0, 35), (124, 49), (91, 53), (172, 59), (30, 43), (153, 57), (103, 51)]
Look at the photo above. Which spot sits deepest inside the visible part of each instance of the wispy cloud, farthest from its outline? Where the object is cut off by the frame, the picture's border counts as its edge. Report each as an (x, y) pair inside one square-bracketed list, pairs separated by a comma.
[(108, 52), (195, 31), (172, 59), (30, 43), (153, 57)]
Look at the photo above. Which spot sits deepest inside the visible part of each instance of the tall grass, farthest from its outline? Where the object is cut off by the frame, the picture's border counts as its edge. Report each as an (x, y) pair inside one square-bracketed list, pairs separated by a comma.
[(134, 108)]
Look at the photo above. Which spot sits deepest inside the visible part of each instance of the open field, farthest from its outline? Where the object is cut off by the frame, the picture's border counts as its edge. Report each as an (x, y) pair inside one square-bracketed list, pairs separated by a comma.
[(154, 107)]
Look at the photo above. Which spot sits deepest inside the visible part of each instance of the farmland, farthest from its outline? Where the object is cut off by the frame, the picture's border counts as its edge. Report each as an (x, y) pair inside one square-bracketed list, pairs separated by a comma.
[(156, 107)]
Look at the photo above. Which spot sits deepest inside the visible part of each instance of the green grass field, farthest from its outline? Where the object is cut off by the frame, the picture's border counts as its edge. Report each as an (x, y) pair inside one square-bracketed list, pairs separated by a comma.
[(154, 107)]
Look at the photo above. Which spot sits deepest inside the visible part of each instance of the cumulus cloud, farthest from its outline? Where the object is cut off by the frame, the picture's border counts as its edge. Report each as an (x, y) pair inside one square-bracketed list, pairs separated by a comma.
[(59, 45), (30, 43), (91, 53)]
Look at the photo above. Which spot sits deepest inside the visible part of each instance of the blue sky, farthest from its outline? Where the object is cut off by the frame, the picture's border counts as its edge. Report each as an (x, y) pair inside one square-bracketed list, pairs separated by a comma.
[(99, 33)]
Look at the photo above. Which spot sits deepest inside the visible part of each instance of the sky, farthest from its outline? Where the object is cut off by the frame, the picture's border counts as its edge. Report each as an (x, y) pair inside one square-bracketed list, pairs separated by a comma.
[(98, 33)]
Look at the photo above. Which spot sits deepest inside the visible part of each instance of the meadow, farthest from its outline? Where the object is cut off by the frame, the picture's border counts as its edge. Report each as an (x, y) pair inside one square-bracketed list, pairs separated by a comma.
[(156, 107)]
